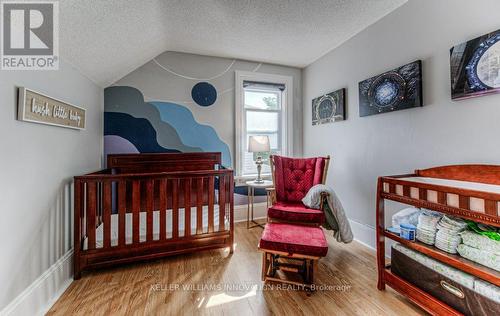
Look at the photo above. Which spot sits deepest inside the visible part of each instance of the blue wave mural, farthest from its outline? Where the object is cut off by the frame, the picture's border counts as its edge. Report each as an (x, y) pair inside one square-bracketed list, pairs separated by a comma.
[(137, 131), (123, 99), (114, 144), (191, 132)]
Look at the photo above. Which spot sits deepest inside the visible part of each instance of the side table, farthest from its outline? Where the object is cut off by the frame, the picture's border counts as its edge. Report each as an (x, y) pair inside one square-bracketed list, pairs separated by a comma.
[(251, 195)]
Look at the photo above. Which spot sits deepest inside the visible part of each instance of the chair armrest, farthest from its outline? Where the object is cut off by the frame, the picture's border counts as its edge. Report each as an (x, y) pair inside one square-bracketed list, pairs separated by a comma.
[(271, 195)]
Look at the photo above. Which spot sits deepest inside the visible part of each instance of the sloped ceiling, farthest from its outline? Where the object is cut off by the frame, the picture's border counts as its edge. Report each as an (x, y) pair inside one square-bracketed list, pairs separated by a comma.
[(106, 40)]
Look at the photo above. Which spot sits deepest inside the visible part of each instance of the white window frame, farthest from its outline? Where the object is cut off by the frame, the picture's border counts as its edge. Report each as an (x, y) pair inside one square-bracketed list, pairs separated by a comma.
[(240, 122)]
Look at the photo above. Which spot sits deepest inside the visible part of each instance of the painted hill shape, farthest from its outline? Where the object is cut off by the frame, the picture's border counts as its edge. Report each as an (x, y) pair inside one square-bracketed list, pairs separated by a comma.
[(191, 132), (129, 100)]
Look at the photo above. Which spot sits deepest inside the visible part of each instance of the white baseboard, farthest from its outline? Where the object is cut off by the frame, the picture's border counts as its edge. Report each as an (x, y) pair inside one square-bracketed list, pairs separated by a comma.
[(39, 297), (363, 234)]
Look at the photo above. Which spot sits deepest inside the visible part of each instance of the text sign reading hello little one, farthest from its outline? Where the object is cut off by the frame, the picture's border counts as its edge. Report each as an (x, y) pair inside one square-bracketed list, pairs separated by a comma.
[(38, 108)]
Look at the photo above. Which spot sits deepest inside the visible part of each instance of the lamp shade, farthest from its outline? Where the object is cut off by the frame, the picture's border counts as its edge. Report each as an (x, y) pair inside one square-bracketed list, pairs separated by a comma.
[(258, 144)]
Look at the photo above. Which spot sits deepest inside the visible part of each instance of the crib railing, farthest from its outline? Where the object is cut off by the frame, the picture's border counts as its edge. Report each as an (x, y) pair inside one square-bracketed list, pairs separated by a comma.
[(100, 195)]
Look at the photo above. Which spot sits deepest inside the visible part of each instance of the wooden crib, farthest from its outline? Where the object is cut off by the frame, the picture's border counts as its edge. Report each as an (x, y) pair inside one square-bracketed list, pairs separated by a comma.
[(147, 206)]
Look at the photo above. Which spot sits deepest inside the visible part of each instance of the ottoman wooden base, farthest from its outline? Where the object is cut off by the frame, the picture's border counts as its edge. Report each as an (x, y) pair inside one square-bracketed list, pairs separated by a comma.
[(273, 261)]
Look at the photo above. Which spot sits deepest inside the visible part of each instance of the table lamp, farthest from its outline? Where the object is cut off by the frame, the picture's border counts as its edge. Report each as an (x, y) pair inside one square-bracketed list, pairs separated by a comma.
[(257, 144)]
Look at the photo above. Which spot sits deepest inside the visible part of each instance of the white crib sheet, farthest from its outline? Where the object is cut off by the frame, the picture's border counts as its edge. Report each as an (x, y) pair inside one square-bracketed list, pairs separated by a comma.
[(156, 226)]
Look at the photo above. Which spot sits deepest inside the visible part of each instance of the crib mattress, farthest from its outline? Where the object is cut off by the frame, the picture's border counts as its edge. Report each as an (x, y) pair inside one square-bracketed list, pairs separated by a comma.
[(156, 226), (459, 276), (481, 299)]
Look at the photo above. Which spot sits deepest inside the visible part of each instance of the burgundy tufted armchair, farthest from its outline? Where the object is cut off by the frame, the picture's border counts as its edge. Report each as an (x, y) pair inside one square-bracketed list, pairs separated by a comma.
[(292, 178)]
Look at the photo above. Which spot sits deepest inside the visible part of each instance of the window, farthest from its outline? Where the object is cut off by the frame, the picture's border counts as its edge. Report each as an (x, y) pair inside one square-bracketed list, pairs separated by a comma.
[(262, 109)]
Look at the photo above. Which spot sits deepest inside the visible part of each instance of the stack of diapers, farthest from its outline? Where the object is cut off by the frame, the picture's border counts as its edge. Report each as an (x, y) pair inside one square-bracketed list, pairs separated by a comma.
[(405, 216), (448, 234), (480, 249), (427, 226)]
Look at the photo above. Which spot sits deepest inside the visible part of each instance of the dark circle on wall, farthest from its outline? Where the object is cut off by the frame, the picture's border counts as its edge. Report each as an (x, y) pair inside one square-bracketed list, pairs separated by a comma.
[(204, 94), (387, 90)]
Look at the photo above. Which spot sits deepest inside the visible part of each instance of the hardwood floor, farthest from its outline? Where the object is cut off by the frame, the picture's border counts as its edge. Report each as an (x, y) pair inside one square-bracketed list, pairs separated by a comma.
[(230, 285)]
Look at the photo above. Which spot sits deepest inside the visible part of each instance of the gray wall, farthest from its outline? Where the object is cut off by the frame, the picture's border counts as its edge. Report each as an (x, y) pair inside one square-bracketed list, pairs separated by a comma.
[(442, 132), (37, 163)]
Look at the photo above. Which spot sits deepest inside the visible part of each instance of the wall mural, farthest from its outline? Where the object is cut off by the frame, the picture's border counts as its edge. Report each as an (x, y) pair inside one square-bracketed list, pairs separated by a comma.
[(190, 132), (204, 94), (134, 125), (154, 127), (475, 67), (398, 89)]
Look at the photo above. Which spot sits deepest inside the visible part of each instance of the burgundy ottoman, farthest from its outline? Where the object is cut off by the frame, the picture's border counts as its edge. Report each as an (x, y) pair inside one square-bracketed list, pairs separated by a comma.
[(281, 241)]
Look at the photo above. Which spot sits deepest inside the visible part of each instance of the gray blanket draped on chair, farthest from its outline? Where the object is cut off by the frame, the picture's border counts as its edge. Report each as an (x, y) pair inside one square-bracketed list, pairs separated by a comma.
[(336, 219)]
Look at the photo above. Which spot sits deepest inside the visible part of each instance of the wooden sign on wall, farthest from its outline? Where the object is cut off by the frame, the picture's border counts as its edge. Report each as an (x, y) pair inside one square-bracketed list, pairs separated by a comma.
[(39, 108)]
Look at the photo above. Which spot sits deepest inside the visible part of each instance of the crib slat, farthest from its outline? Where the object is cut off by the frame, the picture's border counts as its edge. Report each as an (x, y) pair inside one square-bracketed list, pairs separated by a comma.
[(122, 202), (422, 194), (199, 206), (107, 214), (91, 214), (136, 208), (149, 210), (187, 207), (175, 209), (441, 197), (231, 209), (490, 207), (406, 190), (163, 209), (211, 193), (463, 202), (222, 202)]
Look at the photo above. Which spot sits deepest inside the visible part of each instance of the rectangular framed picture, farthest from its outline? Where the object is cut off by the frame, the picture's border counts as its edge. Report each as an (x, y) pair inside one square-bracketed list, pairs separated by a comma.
[(475, 67), (36, 107), (329, 108), (394, 90)]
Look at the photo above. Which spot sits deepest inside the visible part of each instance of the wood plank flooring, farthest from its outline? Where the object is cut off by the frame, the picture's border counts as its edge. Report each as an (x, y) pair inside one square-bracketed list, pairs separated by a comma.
[(222, 284)]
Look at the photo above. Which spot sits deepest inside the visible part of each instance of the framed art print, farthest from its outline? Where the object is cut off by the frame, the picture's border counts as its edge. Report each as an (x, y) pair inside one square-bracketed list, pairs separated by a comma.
[(475, 67), (329, 108), (398, 89)]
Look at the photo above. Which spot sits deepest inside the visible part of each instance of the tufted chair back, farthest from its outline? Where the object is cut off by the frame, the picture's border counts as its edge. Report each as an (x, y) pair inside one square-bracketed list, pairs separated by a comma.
[(293, 177)]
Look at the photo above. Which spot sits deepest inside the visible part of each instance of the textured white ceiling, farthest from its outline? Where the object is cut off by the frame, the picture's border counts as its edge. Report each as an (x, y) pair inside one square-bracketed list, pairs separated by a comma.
[(106, 40)]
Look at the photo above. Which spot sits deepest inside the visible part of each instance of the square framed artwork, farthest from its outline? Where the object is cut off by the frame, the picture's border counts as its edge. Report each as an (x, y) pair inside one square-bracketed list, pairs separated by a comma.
[(394, 90), (475, 67), (329, 108)]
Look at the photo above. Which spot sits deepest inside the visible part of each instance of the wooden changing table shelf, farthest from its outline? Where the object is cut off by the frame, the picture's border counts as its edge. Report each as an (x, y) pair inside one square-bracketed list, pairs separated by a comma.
[(455, 261), (467, 191)]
